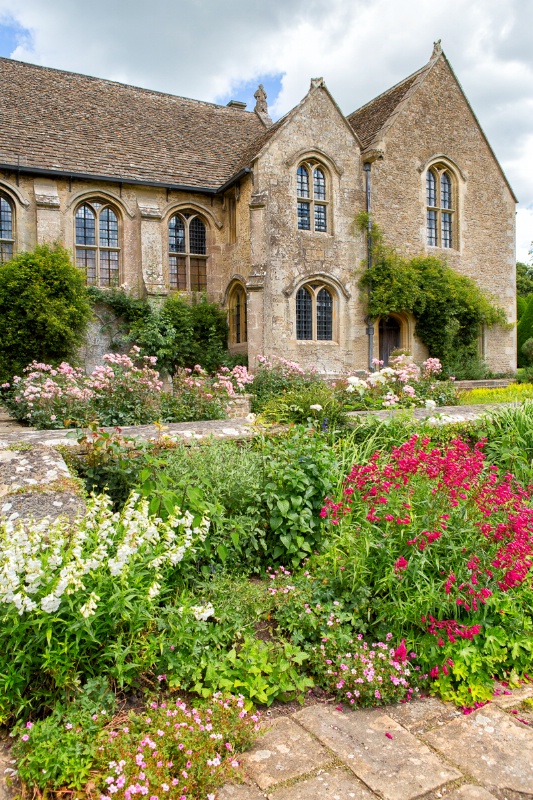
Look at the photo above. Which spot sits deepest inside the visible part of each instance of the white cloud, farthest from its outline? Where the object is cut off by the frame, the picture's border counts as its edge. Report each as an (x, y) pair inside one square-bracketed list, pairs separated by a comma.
[(207, 48)]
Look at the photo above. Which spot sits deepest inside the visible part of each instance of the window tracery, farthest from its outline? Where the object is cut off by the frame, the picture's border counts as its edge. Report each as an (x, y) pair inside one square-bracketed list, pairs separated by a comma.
[(97, 243), (312, 200), (314, 312), (7, 230), (187, 245), (440, 210)]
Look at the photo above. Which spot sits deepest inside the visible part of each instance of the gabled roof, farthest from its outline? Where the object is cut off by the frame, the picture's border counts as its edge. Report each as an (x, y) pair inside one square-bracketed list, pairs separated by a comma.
[(74, 124), (370, 120)]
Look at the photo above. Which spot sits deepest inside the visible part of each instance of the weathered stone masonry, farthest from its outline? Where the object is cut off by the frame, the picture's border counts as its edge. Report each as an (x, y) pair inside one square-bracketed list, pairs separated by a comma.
[(68, 138)]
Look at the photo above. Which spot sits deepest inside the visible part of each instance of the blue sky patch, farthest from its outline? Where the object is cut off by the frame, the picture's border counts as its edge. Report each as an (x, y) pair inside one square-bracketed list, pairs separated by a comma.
[(11, 34), (245, 91)]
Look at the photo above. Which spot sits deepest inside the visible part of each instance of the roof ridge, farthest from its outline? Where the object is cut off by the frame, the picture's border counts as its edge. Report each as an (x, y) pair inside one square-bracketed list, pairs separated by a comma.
[(121, 84), (390, 89)]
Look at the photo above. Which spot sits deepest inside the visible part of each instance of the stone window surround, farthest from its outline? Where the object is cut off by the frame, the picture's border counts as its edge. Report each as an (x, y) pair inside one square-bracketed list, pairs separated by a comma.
[(439, 165), (90, 199), (314, 285), (310, 162), (194, 212), (237, 290), (11, 241)]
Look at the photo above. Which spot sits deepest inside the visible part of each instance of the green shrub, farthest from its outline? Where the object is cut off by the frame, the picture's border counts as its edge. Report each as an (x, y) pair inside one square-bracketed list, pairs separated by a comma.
[(298, 472), (93, 616), (274, 376), (44, 309), (449, 308), (59, 752), (524, 332), (444, 544), (316, 404), (527, 351)]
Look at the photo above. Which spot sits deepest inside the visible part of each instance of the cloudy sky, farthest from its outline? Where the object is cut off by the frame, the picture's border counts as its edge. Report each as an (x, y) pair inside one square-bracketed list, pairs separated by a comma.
[(221, 49)]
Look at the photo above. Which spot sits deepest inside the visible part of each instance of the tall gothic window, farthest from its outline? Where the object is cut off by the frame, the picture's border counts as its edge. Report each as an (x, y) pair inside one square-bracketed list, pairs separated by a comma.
[(97, 243), (187, 253), (312, 201), (238, 333), (440, 210), (314, 312), (7, 230)]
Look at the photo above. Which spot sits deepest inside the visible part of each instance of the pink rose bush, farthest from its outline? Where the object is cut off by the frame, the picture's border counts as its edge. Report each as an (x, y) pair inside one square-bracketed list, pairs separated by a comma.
[(403, 384), (125, 390)]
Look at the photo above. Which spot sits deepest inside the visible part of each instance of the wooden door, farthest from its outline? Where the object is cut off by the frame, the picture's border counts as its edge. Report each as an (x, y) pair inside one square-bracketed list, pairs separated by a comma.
[(389, 338)]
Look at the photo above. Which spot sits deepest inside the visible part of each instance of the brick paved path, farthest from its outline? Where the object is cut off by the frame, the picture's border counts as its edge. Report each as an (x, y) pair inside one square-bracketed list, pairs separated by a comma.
[(432, 751)]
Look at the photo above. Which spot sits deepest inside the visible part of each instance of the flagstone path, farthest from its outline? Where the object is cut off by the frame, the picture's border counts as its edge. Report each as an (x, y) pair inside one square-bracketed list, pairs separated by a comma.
[(421, 750)]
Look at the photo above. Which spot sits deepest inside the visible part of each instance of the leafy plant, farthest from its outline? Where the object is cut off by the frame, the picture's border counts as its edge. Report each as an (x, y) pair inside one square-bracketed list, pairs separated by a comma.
[(275, 376), (79, 601), (449, 308), (297, 472), (59, 751), (44, 309)]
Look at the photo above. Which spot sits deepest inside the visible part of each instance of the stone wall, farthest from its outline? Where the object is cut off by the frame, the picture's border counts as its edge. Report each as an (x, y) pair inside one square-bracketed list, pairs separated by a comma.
[(437, 124)]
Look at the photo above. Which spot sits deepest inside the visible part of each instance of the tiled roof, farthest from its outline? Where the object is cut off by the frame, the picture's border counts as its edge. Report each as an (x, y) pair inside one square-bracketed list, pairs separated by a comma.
[(368, 120), (91, 126)]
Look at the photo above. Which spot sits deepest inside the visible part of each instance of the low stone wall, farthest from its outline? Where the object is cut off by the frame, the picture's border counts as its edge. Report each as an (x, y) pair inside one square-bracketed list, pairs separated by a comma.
[(35, 483), (496, 383), (239, 407)]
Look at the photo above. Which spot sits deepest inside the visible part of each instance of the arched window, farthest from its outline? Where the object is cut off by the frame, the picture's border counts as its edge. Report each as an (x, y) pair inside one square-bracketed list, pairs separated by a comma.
[(187, 253), (314, 312), (97, 243), (238, 331), (7, 230), (312, 201), (440, 212)]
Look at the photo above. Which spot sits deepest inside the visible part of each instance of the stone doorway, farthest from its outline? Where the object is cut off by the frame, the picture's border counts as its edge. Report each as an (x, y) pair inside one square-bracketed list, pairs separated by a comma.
[(390, 334)]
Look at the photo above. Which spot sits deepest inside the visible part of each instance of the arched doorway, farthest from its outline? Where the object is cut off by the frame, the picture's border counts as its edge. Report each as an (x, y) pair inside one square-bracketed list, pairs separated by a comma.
[(389, 337)]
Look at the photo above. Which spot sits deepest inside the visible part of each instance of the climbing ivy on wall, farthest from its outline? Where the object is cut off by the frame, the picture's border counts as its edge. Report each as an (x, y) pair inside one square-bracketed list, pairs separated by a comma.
[(449, 309)]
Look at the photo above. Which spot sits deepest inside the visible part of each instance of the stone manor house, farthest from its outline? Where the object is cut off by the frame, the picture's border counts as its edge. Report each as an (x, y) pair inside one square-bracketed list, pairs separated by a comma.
[(162, 194)]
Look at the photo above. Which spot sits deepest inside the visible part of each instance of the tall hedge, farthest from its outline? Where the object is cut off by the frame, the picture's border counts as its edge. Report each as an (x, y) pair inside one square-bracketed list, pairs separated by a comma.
[(524, 331), (44, 309)]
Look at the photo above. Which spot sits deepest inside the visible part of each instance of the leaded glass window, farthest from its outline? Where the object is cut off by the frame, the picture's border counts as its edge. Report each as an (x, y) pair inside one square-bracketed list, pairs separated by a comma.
[(7, 230), (314, 312), (304, 314), (312, 201), (440, 207), (324, 315), (97, 243), (187, 253)]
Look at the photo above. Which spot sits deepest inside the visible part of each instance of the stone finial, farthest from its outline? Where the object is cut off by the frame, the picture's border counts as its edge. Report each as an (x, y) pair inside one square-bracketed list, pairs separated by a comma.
[(261, 106), (317, 83), (437, 49)]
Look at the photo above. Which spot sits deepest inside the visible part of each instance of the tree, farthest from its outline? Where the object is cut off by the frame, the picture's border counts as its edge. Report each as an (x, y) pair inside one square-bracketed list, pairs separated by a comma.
[(44, 308), (524, 279)]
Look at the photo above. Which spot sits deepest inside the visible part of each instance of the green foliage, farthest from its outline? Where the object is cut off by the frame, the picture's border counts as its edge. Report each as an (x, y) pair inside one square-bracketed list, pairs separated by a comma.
[(524, 332), (223, 480), (179, 332), (273, 378), (314, 404), (44, 309), (449, 308), (59, 752), (297, 471), (524, 279), (521, 304), (527, 351), (514, 393)]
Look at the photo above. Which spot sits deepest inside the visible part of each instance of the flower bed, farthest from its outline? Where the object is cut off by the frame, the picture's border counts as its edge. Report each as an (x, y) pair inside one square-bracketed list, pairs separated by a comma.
[(404, 384), (119, 393)]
